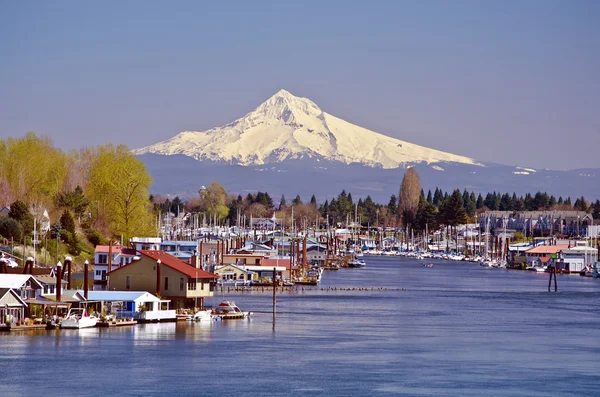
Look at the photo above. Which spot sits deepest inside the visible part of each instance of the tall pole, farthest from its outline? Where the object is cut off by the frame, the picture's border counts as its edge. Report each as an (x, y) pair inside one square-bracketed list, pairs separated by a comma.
[(85, 279)]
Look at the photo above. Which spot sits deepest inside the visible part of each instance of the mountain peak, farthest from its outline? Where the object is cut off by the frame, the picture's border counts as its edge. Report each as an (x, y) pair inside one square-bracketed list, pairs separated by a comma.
[(286, 107), (287, 127)]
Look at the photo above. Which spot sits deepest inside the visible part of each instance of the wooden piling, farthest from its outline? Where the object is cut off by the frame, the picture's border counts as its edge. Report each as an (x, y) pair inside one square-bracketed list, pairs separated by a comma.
[(274, 291)]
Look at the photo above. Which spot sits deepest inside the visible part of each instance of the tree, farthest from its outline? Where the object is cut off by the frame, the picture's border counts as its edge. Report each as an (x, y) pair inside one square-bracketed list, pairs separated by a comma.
[(11, 229), (297, 200), (479, 203), (426, 216), (74, 200), (282, 203), (392, 206), (452, 211), (213, 199), (118, 184), (19, 211), (67, 223), (31, 169), (408, 198)]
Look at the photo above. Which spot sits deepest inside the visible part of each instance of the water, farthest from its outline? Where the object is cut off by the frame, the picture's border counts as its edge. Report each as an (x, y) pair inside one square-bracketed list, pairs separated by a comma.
[(456, 329)]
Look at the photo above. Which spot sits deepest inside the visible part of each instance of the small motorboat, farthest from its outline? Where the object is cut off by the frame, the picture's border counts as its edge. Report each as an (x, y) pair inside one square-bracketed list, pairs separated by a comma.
[(79, 318), (228, 310), (355, 262), (202, 315)]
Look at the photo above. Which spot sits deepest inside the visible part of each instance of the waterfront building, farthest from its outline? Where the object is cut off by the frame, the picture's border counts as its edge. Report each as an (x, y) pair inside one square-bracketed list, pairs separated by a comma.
[(543, 253), (169, 277), (114, 256), (181, 249), (139, 305), (25, 286), (575, 259), (12, 306), (234, 274), (145, 243)]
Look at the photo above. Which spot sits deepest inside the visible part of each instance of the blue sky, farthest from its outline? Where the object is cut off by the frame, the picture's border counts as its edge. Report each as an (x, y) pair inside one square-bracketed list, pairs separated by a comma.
[(512, 82)]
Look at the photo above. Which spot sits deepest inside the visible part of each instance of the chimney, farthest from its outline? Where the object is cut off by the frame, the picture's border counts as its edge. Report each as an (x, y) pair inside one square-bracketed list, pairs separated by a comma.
[(58, 281)]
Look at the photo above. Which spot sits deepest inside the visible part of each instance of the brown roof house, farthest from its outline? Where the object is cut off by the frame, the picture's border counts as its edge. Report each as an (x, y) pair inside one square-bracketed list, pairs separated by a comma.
[(186, 285)]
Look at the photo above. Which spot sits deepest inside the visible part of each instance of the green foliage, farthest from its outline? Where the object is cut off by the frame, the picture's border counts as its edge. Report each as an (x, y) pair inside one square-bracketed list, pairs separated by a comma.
[(11, 229), (297, 200), (94, 237), (19, 211), (67, 223), (31, 169), (119, 183), (518, 237), (452, 212), (75, 201)]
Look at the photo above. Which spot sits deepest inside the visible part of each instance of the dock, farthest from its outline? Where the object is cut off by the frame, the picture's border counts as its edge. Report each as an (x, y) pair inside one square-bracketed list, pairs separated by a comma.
[(107, 324)]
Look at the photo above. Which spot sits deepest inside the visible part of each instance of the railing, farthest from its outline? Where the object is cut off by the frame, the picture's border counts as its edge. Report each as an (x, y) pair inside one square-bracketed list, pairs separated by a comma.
[(125, 314), (156, 315)]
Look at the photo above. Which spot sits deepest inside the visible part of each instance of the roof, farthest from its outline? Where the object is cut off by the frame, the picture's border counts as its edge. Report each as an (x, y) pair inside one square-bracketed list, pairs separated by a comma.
[(5, 291), (240, 268), (116, 249), (125, 296), (16, 281), (547, 249), (49, 280), (36, 271), (175, 264)]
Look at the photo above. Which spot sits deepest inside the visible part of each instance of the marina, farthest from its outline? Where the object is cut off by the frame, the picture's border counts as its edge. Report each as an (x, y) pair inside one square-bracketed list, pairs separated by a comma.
[(456, 329)]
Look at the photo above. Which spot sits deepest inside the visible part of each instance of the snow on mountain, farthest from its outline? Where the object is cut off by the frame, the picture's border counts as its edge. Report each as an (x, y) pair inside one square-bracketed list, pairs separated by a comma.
[(287, 127)]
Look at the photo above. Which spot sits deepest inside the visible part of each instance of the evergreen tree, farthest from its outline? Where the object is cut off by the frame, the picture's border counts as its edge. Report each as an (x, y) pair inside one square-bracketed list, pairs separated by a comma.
[(297, 200), (11, 229), (392, 206), (282, 204), (67, 223), (479, 203), (429, 197), (452, 211), (313, 201), (596, 210), (471, 207), (438, 197), (19, 211), (426, 216)]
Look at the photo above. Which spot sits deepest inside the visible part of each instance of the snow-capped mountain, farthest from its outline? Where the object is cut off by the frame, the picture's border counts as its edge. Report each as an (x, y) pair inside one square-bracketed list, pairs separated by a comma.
[(286, 127)]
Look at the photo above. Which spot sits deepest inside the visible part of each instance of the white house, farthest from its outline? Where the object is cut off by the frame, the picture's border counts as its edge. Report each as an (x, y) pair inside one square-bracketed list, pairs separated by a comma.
[(141, 305), (575, 259)]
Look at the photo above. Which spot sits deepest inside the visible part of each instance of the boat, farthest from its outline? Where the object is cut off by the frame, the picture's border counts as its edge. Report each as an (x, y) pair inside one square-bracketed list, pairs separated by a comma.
[(228, 310), (427, 264), (306, 281), (202, 315), (79, 318), (355, 262)]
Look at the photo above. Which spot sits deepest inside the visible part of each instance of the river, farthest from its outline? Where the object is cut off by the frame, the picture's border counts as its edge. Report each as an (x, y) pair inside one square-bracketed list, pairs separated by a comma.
[(392, 328)]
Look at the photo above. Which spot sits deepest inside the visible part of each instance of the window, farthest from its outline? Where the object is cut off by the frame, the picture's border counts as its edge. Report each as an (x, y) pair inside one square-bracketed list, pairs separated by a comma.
[(181, 284), (166, 283), (102, 259), (98, 272), (191, 284), (127, 282)]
